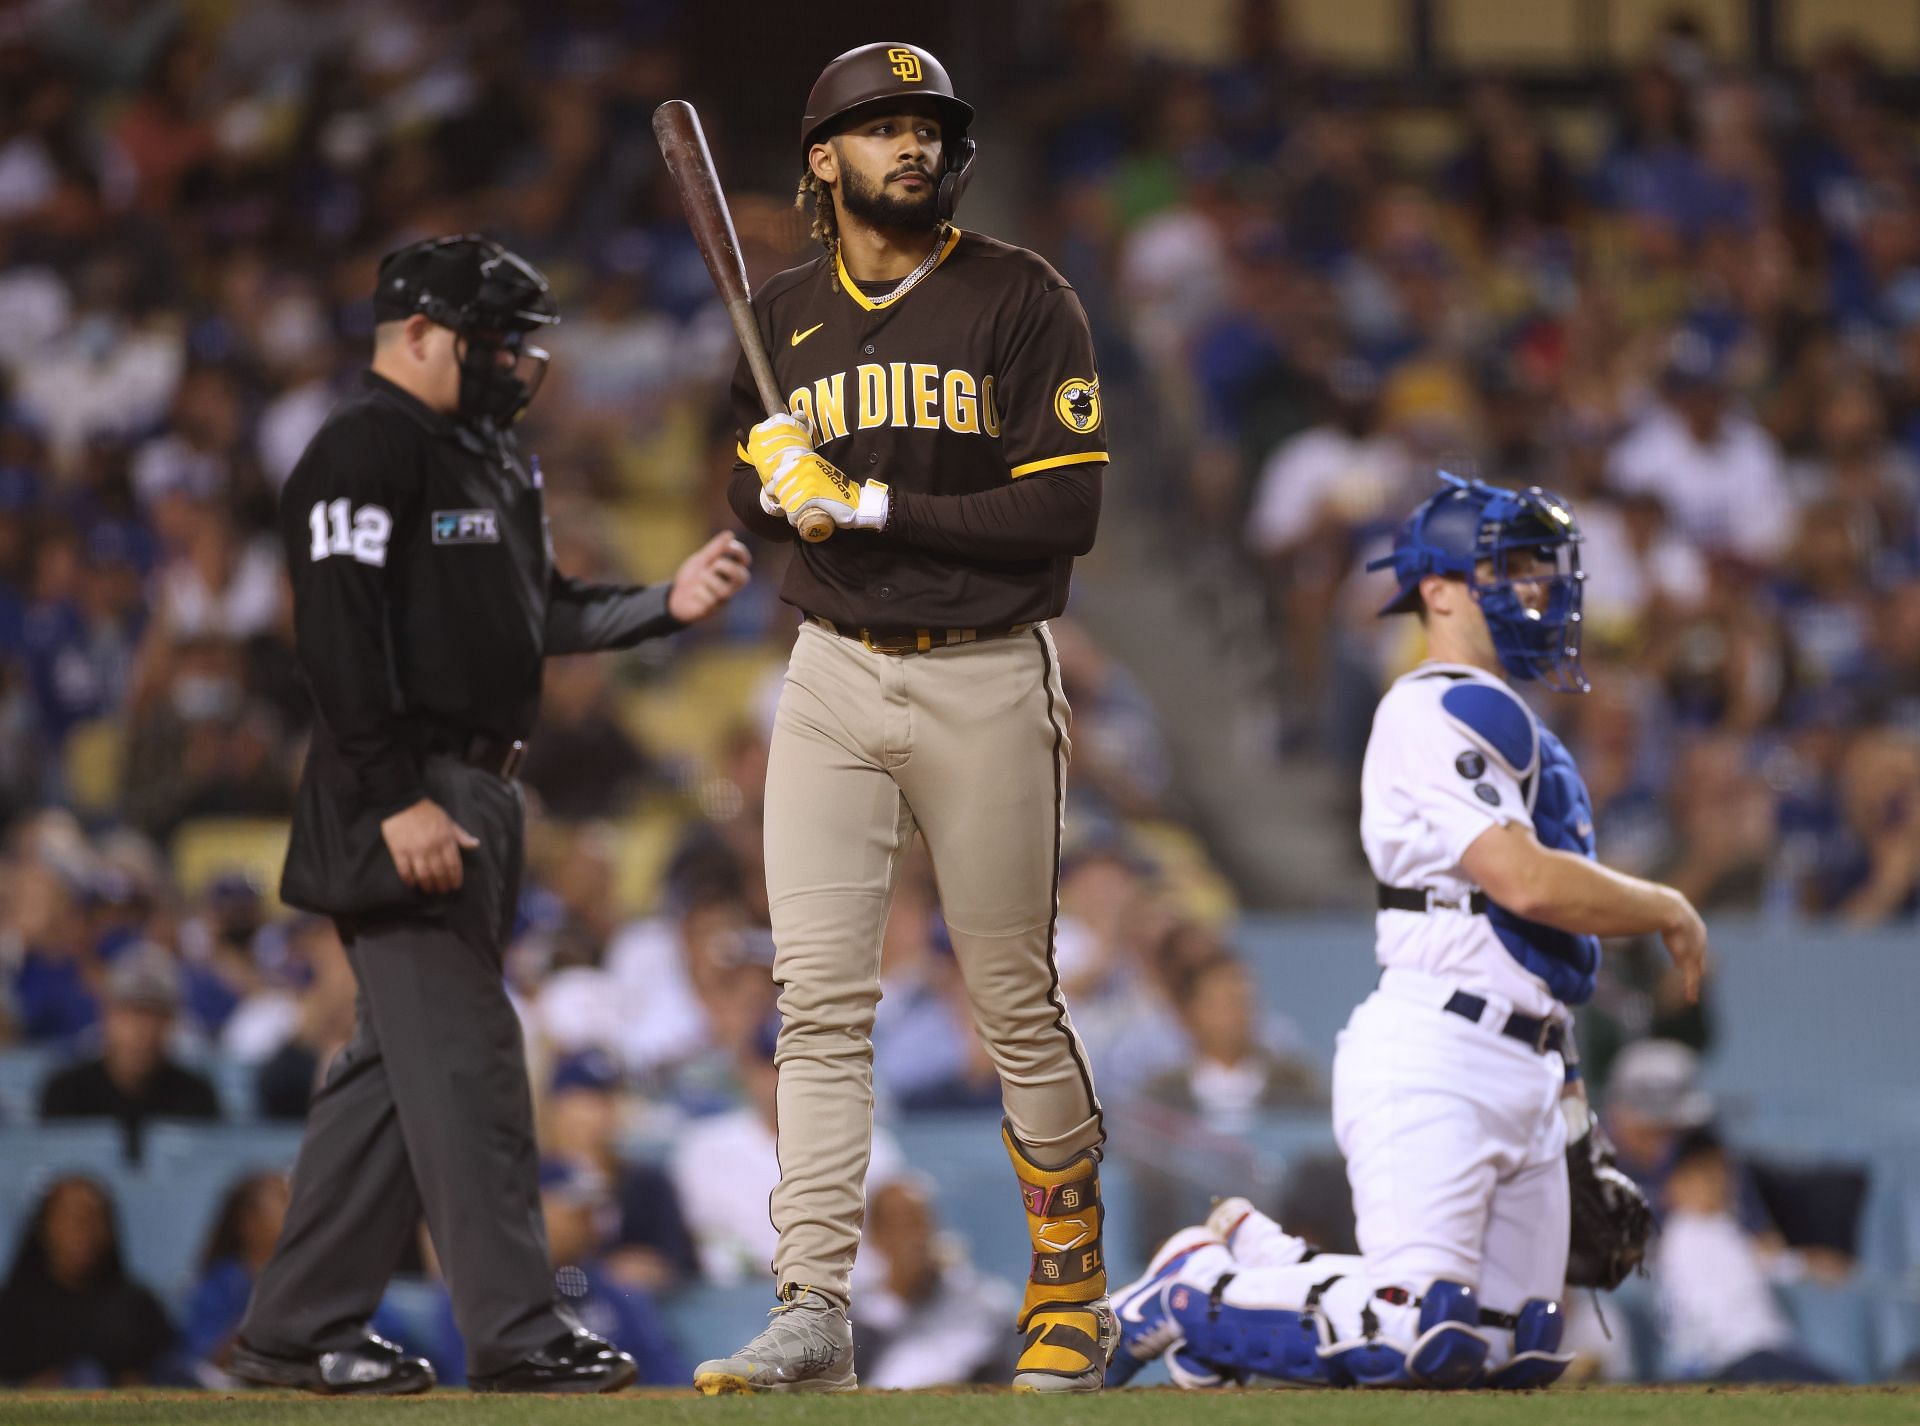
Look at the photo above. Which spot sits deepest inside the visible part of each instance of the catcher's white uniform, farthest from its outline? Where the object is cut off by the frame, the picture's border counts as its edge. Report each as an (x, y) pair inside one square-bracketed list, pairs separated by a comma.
[(1447, 1083), (1450, 1120)]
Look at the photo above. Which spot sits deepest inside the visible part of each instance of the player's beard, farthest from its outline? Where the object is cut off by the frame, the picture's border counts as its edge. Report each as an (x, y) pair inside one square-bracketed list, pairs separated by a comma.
[(874, 204)]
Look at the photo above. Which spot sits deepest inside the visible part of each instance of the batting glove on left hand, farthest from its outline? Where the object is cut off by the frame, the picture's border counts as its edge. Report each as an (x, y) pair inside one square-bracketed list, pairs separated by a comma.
[(777, 444)]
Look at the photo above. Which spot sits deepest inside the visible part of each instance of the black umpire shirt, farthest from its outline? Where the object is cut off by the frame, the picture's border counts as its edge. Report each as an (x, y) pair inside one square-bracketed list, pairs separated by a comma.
[(424, 599), (975, 399)]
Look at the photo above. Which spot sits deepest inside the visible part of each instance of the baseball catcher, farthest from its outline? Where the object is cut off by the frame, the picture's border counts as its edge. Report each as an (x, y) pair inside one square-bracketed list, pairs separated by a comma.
[(1448, 1079)]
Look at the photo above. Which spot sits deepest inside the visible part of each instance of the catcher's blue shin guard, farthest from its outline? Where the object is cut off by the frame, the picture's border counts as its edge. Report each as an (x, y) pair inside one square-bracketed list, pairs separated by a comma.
[(1448, 1353), (1249, 1341), (1537, 1359), (1147, 1328)]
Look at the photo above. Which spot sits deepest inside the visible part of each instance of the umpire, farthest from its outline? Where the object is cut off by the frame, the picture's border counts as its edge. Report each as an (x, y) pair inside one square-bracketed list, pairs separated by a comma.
[(425, 598)]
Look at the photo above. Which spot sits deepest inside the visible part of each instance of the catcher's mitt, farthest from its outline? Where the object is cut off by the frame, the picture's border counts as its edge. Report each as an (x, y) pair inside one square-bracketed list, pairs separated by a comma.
[(1611, 1220)]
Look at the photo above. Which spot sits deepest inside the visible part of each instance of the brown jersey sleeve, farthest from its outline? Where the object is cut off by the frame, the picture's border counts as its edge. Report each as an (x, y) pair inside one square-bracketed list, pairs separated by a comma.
[(743, 486), (1049, 389), (1055, 513)]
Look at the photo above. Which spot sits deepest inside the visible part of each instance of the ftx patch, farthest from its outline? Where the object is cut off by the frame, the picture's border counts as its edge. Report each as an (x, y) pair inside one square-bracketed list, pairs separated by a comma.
[(466, 527)]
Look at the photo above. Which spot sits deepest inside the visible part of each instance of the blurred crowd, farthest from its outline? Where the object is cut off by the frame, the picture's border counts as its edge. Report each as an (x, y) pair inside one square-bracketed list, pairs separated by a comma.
[(1689, 301), (1699, 324)]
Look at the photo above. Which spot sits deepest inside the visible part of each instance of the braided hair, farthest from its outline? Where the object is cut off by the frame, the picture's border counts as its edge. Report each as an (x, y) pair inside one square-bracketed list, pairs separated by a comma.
[(826, 225)]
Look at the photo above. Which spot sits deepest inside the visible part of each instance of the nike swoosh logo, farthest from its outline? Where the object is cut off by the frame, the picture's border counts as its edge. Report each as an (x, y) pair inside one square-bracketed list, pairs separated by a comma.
[(800, 336)]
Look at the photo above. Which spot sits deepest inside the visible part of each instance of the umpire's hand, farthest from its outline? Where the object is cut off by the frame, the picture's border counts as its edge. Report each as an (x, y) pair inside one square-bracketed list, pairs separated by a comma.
[(708, 578), (426, 844)]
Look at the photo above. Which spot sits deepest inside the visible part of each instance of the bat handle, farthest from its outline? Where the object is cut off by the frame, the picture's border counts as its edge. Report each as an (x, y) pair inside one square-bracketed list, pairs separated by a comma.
[(815, 525)]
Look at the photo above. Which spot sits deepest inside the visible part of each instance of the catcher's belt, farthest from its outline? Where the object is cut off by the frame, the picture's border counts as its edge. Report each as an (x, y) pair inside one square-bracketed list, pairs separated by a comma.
[(1422, 899), (1541, 1034)]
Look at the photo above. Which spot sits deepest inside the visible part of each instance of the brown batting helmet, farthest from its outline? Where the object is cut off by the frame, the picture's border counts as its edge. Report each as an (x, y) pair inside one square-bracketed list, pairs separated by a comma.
[(874, 74)]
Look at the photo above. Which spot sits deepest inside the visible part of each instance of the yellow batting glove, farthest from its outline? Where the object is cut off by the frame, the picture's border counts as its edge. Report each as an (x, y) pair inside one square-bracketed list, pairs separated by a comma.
[(777, 444), (812, 482)]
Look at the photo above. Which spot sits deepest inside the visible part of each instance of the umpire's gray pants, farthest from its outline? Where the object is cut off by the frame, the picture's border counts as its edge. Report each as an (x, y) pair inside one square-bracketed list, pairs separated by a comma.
[(426, 1109)]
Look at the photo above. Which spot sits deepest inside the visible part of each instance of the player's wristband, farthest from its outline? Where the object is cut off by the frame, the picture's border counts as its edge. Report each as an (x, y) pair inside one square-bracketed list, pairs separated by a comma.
[(876, 505)]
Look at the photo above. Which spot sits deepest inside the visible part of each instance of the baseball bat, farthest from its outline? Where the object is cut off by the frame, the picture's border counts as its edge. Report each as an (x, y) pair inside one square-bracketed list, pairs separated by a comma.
[(684, 146)]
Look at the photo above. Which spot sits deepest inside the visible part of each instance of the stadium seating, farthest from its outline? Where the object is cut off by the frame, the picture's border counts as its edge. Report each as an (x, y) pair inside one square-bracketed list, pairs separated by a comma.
[(688, 718), (213, 846), (1542, 33), (95, 761), (704, 1321), (23, 1069), (1890, 32), (1313, 970), (643, 844), (1632, 27)]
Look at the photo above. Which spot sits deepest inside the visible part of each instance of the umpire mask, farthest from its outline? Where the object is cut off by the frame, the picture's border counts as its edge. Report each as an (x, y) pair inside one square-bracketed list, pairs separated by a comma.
[(490, 299)]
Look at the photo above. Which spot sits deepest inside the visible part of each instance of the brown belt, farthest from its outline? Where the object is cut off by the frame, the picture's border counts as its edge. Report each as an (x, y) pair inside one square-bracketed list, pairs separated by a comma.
[(918, 641)]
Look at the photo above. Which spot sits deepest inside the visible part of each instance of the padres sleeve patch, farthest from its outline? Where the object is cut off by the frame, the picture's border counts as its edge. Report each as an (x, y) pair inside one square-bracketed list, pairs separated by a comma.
[(1077, 404)]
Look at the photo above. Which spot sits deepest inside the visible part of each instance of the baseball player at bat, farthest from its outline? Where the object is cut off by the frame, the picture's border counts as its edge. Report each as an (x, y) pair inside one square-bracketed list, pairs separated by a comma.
[(952, 378), (1449, 1080)]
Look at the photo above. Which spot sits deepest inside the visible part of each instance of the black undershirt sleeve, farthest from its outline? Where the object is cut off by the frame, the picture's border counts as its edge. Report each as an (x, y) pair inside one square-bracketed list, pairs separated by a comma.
[(743, 494), (1041, 516)]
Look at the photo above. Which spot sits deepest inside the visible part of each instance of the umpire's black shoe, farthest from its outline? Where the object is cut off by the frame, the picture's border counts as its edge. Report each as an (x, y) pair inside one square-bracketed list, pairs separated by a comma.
[(578, 1361), (372, 1367)]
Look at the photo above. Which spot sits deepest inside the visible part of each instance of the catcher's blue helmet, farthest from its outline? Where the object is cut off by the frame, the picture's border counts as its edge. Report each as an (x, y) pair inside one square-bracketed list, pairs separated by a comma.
[(1468, 523)]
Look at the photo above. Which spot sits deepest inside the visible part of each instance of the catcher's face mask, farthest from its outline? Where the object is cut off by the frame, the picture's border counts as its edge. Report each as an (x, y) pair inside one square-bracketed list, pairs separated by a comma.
[(1519, 551), (1529, 586)]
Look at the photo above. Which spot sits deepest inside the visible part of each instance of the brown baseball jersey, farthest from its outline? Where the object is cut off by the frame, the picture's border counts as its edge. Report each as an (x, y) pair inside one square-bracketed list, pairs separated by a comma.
[(979, 375)]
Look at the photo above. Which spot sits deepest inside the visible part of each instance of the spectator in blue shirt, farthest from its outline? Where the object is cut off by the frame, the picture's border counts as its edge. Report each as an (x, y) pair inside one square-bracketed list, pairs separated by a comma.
[(53, 978), (580, 1215), (649, 1246), (244, 1232)]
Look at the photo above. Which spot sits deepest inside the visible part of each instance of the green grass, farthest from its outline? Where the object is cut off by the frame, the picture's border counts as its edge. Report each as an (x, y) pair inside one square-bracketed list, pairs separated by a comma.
[(1695, 1406)]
